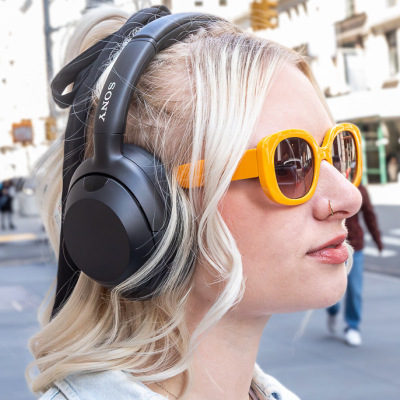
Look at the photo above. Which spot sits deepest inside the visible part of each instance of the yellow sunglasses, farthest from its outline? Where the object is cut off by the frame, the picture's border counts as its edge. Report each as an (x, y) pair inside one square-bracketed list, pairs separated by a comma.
[(287, 163)]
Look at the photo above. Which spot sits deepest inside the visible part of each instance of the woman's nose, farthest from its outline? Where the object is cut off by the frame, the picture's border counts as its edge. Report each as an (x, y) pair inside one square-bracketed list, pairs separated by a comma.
[(335, 196)]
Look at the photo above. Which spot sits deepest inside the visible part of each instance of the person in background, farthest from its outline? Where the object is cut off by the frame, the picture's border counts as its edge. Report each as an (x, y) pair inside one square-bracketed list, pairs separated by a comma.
[(353, 298), (2, 198), (392, 167), (6, 201)]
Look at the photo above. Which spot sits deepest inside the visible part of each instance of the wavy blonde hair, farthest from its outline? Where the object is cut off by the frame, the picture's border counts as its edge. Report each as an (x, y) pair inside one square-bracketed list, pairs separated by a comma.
[(198, 99)]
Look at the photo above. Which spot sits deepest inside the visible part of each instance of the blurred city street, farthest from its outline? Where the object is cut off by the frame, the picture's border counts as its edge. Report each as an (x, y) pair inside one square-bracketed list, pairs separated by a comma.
[(317, 365), (27, 268), (353, 49)]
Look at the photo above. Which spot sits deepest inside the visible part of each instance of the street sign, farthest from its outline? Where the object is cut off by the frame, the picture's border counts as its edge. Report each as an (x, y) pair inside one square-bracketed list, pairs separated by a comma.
[(51, 128), (23, 132)]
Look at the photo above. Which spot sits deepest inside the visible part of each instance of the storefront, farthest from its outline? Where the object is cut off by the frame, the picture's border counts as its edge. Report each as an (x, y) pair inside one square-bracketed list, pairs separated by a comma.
[(377, 114)]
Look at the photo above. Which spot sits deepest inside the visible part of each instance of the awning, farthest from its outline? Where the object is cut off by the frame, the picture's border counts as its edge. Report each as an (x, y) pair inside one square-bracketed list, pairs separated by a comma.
[(383, 103)]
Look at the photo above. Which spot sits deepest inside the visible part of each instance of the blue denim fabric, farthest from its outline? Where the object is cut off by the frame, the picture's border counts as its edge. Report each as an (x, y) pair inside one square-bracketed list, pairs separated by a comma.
[(116, 385), (104, 385), (353, 298)]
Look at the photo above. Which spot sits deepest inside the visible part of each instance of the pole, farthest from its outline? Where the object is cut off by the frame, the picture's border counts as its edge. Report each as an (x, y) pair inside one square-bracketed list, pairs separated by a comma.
[(382, 153), (49, 57), (364, 156)]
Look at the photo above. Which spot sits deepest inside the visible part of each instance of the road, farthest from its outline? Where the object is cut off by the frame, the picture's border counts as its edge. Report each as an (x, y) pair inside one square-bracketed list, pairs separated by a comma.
[(386, 201), (388, 262)]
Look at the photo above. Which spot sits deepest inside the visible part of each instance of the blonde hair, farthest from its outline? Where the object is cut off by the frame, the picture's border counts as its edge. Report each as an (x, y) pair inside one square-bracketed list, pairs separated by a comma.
[(198, 99)]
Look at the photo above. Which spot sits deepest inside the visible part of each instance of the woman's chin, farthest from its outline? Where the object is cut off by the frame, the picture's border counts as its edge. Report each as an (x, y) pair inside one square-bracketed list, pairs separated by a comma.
[(334, 290)]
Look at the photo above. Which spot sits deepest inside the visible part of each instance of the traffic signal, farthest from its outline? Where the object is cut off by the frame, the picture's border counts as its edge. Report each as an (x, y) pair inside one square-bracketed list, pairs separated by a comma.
[(51, 128), (264, 14)]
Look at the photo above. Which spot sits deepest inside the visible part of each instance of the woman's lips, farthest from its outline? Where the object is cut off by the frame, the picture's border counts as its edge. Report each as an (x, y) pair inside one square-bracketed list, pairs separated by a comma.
[(333, 252), (331, 255)]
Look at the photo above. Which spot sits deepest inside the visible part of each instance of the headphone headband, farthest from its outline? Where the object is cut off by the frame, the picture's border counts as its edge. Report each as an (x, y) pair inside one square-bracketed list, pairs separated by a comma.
[(114, 100)]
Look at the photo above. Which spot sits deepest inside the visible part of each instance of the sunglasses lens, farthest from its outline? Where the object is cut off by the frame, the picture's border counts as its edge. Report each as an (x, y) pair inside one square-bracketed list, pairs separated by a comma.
[(344, 155), (294, 167)]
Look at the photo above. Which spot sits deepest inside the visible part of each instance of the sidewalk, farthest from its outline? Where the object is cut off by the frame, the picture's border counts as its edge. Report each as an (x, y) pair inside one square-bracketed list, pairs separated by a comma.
[(27, 243), (26, 228), (386, 201), (388, 194)]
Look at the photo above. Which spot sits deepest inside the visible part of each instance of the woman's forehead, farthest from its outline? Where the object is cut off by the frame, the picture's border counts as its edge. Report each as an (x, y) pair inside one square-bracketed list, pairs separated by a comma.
[(292, 103)]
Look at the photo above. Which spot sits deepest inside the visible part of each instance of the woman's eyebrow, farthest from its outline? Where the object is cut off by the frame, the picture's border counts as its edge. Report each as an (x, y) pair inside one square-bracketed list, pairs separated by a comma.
[(322, 140)]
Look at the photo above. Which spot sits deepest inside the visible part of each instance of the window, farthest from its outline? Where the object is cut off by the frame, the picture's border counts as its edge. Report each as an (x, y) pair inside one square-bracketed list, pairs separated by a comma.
[(393, 54), (354, 66)]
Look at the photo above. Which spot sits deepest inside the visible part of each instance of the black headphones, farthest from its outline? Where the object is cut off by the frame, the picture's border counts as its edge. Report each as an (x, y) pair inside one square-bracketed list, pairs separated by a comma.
[(117, 207)]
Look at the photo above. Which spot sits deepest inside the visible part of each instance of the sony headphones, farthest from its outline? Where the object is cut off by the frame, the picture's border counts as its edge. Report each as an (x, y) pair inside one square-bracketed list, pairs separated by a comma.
[(117, 207)]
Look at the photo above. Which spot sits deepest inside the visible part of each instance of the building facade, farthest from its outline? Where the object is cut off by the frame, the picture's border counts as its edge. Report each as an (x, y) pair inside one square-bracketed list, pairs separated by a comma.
[(353, 47), (34, 37), (354, 50)]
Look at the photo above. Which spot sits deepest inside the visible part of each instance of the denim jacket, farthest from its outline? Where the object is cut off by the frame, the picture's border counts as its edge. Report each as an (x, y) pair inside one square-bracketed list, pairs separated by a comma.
[(120, 385)]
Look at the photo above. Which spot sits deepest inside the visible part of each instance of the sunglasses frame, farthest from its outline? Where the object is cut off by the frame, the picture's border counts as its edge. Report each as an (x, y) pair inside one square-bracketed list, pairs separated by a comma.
[(259, 162)]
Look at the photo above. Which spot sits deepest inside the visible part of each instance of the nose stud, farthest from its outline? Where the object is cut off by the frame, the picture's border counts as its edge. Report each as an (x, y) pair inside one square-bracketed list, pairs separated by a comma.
[(330, 208)]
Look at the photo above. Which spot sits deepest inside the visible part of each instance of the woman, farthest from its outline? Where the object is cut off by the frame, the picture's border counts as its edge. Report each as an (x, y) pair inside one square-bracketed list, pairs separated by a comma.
[(240, 249)]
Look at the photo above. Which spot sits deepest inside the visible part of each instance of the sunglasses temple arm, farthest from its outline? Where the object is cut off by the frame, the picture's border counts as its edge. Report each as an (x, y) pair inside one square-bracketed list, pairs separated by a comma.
[(248, 166)]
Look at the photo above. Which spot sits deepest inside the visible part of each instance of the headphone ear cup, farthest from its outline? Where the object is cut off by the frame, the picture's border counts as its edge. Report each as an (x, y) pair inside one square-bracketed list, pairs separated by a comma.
[(152, 167), (106, 233)]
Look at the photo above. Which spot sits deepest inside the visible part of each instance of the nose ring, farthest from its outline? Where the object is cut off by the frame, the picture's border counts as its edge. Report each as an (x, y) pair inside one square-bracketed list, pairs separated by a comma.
[(330, 208)]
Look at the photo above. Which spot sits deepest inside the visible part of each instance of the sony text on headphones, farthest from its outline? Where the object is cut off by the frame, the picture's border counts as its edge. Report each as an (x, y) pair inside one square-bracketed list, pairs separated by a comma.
[(117, 207)]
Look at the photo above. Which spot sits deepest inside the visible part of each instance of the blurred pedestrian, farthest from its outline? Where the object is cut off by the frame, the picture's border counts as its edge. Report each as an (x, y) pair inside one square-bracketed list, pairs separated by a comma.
[(353, 298), (6, 204), (392, 167)]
